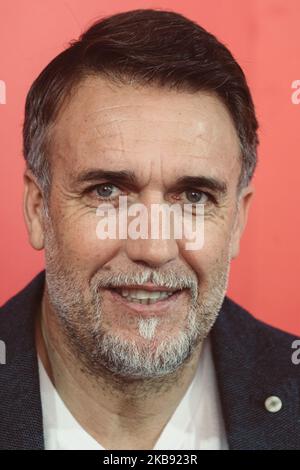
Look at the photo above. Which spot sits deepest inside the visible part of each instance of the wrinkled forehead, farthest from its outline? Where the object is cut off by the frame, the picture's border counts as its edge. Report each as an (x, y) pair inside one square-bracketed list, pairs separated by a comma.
[(130, 126)]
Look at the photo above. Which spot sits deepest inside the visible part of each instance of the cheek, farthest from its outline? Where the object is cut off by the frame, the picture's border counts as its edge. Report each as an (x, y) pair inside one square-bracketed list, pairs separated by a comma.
[(214, 251), (79, 245)]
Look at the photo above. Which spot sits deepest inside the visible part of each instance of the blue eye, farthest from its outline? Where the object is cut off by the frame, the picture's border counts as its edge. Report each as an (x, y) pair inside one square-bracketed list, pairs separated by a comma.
[(105, 190), (196, 197)]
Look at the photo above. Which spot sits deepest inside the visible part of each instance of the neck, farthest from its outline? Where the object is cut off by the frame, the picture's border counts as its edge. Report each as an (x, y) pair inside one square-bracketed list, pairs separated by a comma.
[(119, 412)]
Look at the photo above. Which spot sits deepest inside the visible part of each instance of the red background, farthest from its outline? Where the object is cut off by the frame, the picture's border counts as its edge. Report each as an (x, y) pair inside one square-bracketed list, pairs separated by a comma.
[(264, 36)]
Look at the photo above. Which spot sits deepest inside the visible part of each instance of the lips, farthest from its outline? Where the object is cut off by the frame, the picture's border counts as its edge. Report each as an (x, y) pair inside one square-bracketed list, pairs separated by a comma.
[(143, 296), (147, 306)]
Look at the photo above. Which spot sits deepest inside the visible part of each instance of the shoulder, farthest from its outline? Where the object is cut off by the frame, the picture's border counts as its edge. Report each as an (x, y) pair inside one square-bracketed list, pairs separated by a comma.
[(17, 314), (244, 322), (252, 340), (21, 424)]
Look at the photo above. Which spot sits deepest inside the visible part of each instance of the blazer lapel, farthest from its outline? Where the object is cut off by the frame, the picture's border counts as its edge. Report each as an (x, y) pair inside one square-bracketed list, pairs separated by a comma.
[(253, 362)]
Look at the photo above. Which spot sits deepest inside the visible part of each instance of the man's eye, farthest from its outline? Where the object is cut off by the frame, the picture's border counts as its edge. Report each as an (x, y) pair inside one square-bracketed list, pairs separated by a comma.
[(197, 197), (106, 191)]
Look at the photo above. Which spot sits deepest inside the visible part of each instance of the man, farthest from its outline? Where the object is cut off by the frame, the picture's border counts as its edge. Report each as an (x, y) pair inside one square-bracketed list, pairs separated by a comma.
[(131, 342)]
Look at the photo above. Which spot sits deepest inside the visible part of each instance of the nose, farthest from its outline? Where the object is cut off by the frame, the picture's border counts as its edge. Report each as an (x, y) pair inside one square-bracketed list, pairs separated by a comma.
[(153, 251)]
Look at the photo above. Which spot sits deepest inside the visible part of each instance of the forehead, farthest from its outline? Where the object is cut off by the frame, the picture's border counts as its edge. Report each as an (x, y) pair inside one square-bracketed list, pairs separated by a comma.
[(102, 124)]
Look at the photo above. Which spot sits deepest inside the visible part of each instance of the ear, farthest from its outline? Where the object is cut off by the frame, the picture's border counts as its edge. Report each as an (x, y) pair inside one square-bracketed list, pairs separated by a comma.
[(33, 207), (243, 205)]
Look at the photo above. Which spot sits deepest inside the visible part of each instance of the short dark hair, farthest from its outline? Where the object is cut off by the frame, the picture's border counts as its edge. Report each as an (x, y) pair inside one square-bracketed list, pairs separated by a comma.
[(143, 47)]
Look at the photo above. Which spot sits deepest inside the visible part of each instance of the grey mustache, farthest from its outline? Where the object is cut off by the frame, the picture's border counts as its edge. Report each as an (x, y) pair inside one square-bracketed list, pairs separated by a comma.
[(169, 280)]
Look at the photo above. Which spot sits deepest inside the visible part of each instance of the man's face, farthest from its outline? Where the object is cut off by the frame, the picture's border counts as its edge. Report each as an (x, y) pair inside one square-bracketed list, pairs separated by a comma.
[(158, 136)]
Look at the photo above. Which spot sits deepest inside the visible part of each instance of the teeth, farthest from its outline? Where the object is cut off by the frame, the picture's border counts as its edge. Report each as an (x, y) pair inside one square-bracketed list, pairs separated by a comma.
[(143, 296)]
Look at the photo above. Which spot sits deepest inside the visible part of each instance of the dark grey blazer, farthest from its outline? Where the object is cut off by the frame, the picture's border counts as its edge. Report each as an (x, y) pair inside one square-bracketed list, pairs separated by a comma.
[(252, 360)]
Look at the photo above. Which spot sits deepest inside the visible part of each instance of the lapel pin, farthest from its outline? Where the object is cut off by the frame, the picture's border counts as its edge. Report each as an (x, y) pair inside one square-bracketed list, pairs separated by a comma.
[(273, 404)]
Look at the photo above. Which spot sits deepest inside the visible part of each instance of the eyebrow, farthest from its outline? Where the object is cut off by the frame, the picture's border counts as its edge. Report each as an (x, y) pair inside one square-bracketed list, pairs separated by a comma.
[(124, 177), (128, 178), (207, 182)]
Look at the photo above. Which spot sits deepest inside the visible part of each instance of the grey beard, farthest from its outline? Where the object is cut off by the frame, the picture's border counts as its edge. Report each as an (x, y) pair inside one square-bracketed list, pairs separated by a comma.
[(80, 317)]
